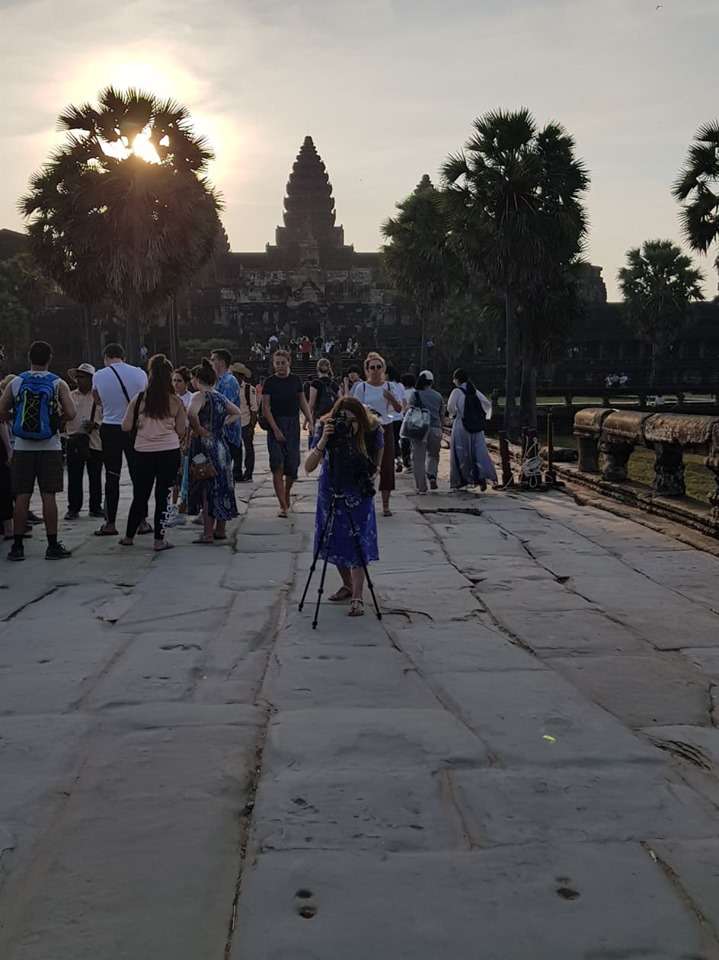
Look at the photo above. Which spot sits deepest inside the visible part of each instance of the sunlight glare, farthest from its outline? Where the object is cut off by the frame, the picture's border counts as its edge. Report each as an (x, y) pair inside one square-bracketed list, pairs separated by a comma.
[(142, 147)]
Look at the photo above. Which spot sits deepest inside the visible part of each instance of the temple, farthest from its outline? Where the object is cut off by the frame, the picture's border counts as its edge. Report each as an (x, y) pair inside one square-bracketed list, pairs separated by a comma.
[(309, 281)]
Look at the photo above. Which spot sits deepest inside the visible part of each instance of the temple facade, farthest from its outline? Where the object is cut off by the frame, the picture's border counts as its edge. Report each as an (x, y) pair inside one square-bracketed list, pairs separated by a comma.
[(309, 281)]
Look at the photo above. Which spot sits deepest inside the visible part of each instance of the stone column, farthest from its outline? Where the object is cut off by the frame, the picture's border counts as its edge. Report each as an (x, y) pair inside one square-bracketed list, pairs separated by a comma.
[(669, 470), (614, 456)]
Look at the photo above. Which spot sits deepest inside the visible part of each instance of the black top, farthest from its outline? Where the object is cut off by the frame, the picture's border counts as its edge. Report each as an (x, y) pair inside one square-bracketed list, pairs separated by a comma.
[(284, 394)]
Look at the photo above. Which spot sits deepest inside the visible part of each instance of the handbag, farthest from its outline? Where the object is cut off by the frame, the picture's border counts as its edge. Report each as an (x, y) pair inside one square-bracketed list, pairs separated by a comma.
[(416, 423), (201, 468)]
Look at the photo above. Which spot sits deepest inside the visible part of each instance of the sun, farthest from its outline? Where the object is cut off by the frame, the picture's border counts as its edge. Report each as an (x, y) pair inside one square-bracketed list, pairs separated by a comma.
[(143, 147)]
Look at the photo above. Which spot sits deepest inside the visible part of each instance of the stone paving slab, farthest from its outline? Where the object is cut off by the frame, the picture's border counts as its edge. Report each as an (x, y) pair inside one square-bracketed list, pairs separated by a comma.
[(641, 690), (300, 677), (547, 903), (463, 647), (409, 810), (516, 716), (376, 739), (696, 865), (142, 828), (550, 634), (624, 802)]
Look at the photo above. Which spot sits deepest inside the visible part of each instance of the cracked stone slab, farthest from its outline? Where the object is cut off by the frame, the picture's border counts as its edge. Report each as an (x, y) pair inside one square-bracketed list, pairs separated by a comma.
[(400, 811), (697, 745), (375, 739), (641, 690), (300, 677), (695, 864), (514, 718), (257, 571), (570, 631), (425, 906), (159, 804), (464, 647), (623, 802)]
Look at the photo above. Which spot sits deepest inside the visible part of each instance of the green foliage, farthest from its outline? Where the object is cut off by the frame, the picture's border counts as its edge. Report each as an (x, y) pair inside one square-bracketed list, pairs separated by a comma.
[(106, 223), (697, 188), (23, 289), (417, 257), (658, 284)]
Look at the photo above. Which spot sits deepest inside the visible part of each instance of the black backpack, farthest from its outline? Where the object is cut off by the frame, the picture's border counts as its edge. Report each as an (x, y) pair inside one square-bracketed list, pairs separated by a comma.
[(474, 419), (327, 393)]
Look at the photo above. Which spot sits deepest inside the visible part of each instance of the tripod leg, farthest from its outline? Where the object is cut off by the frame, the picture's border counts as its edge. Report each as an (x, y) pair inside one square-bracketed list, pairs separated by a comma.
[(321, 589), (320, 542), (358, 547)]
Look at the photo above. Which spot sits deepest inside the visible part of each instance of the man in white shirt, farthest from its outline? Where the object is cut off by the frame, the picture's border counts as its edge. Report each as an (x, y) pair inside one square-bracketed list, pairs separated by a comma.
[(114, 387)]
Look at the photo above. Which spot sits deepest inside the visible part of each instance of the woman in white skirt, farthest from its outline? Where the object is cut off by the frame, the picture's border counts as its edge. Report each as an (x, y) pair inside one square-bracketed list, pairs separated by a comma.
[(470, 462)]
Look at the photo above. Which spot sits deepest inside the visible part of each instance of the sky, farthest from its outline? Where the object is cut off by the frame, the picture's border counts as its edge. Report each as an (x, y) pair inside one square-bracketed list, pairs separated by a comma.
[(386, 88)]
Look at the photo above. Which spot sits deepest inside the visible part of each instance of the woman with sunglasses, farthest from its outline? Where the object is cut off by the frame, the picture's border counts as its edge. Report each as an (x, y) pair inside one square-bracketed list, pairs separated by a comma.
[(379, 396)]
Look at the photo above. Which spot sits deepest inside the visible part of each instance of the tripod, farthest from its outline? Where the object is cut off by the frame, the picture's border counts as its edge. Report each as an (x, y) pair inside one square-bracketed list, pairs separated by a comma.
[(324, 540)]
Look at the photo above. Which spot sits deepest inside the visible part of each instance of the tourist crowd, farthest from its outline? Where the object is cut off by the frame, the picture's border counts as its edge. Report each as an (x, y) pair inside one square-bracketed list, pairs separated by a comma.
[(189, 436)]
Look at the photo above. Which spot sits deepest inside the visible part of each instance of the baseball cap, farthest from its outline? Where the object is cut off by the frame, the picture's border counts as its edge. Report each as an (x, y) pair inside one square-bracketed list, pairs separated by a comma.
[(83, 368), (427, 374)]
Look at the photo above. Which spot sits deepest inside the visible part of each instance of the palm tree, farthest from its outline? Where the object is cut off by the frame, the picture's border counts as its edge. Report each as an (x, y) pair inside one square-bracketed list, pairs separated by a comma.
[(658, 284), (697, 188), (417, 257), (516, 218), (123, 210)]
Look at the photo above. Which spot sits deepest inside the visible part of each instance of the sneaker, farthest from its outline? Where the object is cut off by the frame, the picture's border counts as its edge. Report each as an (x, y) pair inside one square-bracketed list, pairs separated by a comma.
[(16, 552), (432, 483), (56, 551), (71, 515)]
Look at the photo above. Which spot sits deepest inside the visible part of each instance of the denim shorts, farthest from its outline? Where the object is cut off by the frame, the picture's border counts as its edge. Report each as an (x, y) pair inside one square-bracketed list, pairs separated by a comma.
[(285, 456)]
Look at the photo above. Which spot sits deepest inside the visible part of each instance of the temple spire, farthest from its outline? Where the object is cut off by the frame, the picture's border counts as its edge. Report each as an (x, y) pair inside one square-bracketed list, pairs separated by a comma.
[(309, 216)]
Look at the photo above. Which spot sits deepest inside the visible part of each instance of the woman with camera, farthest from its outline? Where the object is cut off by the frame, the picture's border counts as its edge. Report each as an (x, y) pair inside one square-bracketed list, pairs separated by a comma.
[(349, 444)]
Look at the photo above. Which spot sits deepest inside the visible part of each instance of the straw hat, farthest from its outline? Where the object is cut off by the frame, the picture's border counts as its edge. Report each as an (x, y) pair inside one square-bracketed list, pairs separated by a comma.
[(243, 371)]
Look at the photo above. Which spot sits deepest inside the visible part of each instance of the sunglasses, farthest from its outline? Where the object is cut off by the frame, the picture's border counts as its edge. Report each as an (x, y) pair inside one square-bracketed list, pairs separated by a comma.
[(375, 366)]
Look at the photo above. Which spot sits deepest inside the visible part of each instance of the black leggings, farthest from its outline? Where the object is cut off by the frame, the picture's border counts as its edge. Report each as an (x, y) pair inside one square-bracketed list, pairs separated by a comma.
[(115, 443), (158, 469)]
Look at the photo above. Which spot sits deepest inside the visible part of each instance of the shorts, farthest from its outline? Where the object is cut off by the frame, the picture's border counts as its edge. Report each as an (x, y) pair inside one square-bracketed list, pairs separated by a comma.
[(285, 456), (45, 466)]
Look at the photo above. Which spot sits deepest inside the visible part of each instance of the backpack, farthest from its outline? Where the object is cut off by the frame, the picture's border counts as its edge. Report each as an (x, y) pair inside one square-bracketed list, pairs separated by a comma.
[(416, 423), (36, 414), (474, 419), (327, 392)]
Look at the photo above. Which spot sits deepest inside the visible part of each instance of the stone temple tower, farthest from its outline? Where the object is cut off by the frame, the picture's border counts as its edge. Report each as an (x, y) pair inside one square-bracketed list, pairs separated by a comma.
[(309, 216)]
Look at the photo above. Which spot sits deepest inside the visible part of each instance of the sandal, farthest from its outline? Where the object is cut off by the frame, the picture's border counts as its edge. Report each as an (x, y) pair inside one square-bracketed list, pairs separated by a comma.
[(386, 513), (106, 531), (124, 541), (356, 608), (344, 593), (144, 529), (204, 540), (163, 546), (283, 515)]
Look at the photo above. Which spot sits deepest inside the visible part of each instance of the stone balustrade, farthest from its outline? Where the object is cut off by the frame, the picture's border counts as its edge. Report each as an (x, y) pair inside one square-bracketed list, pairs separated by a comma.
[(606, 440)]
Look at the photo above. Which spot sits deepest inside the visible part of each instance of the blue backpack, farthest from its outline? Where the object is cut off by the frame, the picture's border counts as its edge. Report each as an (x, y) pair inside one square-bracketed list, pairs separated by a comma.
[(36, 415)]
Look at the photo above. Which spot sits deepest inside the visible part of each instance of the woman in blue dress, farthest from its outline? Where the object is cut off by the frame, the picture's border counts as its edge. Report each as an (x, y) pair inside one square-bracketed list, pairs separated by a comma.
[(356, 444), (209, 413)]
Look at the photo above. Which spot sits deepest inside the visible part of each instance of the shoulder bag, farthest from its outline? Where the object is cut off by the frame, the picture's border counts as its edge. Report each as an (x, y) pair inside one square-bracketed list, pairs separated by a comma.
[(415, 425)]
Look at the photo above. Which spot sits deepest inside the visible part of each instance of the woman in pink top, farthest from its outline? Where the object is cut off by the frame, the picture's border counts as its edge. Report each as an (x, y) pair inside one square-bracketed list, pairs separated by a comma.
[(158, 418)]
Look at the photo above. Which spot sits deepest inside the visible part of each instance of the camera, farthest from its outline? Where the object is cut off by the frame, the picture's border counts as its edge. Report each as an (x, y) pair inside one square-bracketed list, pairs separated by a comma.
[(343, 429)]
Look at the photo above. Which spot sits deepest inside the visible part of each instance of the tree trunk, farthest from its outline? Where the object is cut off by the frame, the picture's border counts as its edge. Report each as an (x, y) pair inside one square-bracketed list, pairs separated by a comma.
[(509, 379), (528, 393), (132, 335)]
